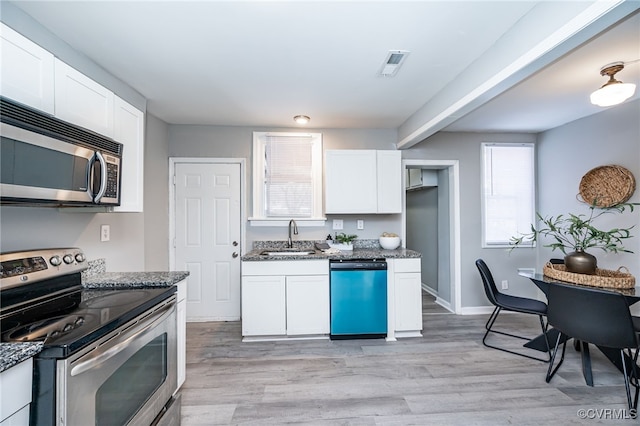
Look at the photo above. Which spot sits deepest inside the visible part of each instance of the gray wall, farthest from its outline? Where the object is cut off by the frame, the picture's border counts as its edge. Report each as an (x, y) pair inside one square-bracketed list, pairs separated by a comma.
[(156, 195), (444, 236), (27, 228), (24, 228), (566, 153), (237, 142), (465, 147), (422, 231)]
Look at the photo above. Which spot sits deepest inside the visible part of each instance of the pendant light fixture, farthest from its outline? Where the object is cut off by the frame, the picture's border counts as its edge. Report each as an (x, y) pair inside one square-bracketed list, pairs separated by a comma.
[(613, 92), (301, 119)]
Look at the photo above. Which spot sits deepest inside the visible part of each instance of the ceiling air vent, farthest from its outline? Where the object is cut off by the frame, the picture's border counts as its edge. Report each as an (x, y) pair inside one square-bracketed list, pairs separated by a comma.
[(392, 62)]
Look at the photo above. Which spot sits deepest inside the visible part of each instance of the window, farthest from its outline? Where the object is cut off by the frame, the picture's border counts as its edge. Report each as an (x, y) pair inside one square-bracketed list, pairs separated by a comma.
[(508, 192), (287, 177)]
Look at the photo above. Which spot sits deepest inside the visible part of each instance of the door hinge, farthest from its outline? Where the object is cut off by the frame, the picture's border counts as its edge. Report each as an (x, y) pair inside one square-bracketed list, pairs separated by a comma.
[(174, 180)]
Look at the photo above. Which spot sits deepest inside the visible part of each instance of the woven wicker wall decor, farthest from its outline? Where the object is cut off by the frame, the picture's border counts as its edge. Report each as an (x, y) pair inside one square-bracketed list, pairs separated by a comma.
[(606, 186)]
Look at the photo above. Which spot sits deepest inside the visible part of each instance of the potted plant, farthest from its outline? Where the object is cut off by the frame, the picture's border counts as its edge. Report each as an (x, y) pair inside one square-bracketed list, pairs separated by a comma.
[(343, 238), (573, 234)]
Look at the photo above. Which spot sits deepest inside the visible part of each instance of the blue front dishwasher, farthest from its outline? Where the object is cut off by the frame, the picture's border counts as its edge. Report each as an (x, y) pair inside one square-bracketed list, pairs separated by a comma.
[(358, 290)]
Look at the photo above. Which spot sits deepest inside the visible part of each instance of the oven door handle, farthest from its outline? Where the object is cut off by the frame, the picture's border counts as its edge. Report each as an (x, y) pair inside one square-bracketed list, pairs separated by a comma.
[(150, 322)]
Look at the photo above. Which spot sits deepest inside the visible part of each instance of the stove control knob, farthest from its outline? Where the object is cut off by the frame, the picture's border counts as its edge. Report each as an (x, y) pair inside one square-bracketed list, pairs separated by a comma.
[(55, 260), (68, 259), (80, 258)]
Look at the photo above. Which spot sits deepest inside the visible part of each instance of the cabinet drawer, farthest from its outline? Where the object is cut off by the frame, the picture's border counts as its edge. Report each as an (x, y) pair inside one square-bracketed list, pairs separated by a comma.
[(15, 388), (286, 267), (406, 265)]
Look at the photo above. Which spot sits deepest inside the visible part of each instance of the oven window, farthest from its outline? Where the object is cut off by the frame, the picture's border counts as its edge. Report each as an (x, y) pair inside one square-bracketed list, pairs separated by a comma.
[(129, 387)]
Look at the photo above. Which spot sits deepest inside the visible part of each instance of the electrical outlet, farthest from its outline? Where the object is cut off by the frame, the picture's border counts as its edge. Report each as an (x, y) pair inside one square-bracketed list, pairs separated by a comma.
[(505, 284), (338, 224), (360, 224), (105, 233)]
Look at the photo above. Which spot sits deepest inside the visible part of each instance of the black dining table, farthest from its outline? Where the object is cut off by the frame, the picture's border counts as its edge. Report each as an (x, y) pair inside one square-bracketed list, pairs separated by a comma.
[(543, 282)]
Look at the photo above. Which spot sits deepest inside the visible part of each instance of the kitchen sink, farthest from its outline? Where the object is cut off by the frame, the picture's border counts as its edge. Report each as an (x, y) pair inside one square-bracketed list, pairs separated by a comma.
[(286, 252)]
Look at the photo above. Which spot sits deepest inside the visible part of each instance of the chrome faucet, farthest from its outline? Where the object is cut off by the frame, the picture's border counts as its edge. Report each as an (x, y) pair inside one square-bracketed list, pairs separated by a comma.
[(295, 232)]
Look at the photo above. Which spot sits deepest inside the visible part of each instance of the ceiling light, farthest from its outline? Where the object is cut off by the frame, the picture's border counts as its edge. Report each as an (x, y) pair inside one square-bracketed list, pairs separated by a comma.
[(392, 62), (301, 119), (613, 92)]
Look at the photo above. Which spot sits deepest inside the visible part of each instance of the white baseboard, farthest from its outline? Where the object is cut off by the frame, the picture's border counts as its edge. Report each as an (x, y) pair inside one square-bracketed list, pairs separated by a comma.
[(477, 310)]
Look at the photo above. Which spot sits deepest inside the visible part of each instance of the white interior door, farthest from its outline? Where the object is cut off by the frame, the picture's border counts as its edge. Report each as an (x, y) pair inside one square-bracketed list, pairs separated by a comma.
[(207, 238)]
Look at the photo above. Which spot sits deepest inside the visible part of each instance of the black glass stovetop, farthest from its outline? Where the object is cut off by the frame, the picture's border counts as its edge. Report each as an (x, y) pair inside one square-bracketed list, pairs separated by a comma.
[(74, 317)]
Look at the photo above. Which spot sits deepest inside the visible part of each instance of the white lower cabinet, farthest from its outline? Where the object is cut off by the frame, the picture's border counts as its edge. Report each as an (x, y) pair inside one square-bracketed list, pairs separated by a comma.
[(407, 290), (263, 306), (307, 304), (181, 313), (285, 298), (15, 394)]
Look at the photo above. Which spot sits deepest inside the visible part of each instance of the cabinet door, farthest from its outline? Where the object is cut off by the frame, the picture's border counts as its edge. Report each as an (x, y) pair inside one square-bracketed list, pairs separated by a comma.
[(389, 178), (129, 131), (350, 181), (82, 101), (182, 331), (308, 304), (263, 305), (15, 388), (408, 295), (27, 71)]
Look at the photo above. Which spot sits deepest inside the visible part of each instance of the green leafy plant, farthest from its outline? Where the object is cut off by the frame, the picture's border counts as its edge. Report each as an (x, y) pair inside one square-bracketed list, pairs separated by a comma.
[(343, 238), (576, 231)]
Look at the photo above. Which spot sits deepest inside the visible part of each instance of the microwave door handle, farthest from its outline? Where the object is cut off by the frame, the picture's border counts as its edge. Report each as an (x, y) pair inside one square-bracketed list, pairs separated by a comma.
[(103, 177)]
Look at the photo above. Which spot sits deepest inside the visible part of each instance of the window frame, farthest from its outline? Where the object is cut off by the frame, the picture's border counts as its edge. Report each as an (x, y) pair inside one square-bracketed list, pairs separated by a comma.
[(259, 217), (521, 227)]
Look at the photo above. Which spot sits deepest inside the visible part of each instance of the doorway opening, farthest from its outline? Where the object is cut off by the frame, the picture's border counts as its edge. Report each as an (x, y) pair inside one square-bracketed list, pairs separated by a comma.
[(431, 225)]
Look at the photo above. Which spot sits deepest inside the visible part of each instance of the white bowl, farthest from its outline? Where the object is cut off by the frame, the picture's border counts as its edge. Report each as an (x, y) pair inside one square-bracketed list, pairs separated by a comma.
[(389, 243)]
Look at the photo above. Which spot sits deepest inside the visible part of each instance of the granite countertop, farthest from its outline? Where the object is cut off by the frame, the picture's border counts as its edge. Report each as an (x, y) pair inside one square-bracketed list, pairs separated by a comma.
[(362, 249), (14, 353), (133, 279), (94, 277)]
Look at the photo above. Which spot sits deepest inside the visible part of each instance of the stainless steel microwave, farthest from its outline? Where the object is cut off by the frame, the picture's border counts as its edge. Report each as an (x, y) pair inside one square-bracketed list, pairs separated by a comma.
[(47, 161)]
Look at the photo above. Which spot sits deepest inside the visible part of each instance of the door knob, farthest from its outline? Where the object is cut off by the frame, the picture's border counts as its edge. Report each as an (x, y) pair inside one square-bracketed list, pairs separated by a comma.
[(235, 243), (235, 254)]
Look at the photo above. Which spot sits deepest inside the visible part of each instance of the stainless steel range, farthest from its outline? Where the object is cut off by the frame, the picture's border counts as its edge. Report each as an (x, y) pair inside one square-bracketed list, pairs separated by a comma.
[(109, 356)]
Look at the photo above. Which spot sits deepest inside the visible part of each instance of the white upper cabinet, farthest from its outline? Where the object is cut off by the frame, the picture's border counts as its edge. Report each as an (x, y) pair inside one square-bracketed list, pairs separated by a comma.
[(129, 131), (27, 71), (82, 101), (363, 181), (389, 175)]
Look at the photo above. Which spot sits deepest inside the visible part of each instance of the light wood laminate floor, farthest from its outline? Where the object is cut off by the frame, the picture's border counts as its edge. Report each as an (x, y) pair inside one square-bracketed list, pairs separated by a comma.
[(446, 377)]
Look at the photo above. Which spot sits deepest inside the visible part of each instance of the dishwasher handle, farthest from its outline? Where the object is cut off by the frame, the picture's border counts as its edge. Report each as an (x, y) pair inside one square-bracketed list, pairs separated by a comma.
[(370, 265)]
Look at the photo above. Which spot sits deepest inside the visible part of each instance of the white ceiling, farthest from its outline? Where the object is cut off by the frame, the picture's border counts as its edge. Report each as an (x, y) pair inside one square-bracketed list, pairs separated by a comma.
[(259, 63)]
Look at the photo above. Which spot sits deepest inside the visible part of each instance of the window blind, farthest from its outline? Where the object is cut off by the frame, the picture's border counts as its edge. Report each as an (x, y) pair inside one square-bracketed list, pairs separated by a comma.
[(508, 192), (288, 185)]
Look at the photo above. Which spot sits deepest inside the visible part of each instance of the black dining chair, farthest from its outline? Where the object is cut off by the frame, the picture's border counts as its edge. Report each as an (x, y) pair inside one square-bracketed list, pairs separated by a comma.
[(595, 316), (507, 302)]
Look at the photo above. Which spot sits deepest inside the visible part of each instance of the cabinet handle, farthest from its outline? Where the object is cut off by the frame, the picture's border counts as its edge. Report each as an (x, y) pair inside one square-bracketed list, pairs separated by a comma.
[(235, 254)]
